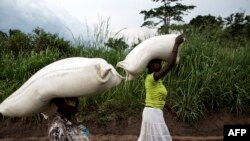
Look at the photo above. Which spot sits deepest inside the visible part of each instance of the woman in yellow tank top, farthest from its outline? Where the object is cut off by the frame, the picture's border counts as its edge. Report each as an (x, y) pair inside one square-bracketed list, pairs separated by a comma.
[(153, 127)]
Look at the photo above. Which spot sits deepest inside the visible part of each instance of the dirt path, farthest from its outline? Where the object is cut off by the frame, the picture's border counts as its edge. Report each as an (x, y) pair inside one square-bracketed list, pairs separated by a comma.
[(124, 138), (209, 129)]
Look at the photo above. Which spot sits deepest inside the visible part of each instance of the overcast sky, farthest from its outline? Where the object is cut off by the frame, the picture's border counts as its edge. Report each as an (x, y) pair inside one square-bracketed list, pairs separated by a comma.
[(66, 16)]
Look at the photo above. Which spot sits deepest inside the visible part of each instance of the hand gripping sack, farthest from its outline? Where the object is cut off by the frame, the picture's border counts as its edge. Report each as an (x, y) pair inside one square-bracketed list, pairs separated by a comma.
[(158, 47), (71, 77)]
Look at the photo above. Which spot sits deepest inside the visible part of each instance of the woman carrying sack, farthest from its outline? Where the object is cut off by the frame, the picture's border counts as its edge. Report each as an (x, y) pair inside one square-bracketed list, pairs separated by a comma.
[(64, 126), (153, 127)]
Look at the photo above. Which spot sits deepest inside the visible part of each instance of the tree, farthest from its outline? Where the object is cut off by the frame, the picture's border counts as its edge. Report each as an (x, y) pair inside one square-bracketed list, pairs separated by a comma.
[(165, 14), (238, 25), (3, 39), (207, 22), (117, 44), (41, 40), (18, 42), (209, 26), (3, 35)]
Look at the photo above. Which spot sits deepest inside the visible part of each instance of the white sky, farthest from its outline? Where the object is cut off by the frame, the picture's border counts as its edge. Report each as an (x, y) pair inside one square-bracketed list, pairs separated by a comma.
[(65, 16)]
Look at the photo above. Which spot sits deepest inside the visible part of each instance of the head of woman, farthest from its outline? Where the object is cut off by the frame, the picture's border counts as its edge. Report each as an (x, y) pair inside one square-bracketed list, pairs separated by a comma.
[(67, 107), (154, 65)]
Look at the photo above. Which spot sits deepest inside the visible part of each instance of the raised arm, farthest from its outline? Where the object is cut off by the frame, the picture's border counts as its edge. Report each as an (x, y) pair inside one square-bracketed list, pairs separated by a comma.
[(171, 62)]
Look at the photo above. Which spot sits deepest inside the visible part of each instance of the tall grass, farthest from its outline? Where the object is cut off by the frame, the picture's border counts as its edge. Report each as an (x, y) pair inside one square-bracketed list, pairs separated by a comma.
[(210, 76), (15, 71)]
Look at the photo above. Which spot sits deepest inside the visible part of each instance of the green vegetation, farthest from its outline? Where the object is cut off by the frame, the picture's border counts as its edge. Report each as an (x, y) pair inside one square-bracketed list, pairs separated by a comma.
[(212, 75), (171, 10)]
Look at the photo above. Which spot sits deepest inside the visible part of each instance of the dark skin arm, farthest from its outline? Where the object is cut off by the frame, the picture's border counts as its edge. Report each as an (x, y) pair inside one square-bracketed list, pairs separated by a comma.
[(171, 63)]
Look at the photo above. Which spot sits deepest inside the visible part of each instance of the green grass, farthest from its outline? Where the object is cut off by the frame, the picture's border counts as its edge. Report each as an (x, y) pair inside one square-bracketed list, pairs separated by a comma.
[(210, 76)]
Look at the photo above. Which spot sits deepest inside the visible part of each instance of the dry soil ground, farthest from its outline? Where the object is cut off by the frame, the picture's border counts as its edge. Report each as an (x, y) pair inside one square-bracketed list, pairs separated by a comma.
[(208, 129)]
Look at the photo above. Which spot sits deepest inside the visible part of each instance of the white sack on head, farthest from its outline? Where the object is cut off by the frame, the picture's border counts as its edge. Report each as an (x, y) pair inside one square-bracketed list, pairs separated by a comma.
[(71, 77), (158, 47)]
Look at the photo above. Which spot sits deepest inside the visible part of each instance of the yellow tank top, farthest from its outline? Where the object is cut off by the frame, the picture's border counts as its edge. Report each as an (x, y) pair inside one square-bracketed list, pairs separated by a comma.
[(156, 92)]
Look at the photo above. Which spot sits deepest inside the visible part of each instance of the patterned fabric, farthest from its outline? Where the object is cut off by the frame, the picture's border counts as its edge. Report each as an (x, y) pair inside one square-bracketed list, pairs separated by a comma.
[(62, 129), (156, 92)]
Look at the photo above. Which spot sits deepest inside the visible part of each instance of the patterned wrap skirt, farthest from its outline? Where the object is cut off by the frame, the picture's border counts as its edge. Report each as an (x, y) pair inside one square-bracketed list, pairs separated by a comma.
[(62, 129)]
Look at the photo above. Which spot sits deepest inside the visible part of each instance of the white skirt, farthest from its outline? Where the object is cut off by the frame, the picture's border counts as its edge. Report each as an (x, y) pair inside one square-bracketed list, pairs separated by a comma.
[(153, 127)]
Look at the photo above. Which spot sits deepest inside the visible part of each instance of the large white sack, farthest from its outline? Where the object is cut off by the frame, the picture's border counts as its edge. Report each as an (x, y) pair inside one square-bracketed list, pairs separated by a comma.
[(71, 77), (158, 47)]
